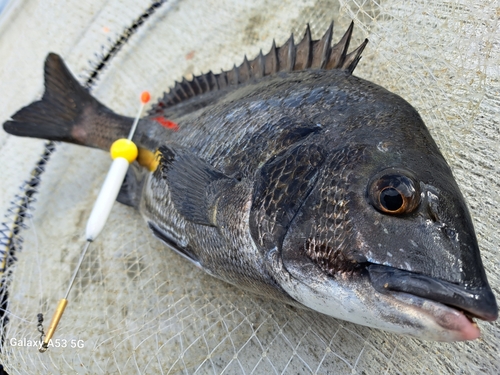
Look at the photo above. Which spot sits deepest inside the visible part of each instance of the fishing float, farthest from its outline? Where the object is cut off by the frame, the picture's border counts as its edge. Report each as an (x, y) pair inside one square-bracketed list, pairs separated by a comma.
[(123, 152)]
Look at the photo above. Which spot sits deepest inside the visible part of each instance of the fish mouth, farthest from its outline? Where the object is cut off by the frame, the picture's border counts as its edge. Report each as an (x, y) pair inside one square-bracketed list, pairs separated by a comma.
[(472, 303), (362, 297), (476, 302)]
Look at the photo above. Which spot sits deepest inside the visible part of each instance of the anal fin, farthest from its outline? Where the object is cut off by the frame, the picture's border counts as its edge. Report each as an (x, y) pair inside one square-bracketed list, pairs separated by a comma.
[(183, 251), (131, 189)]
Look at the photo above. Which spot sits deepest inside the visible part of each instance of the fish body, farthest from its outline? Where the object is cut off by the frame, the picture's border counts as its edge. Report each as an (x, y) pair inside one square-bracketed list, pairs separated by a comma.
[(292, 178)]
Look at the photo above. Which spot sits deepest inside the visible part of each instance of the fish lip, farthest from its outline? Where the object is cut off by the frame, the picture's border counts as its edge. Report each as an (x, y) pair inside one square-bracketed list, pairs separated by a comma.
[(476, 302), (457, 323)]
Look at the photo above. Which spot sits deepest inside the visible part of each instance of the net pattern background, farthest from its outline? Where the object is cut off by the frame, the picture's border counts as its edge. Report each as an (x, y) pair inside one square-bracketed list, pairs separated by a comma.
[(140, 308)]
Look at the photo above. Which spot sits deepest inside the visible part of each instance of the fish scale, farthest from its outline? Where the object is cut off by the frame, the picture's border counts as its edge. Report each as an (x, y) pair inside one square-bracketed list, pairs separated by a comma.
[(332, 247), (276, 182)]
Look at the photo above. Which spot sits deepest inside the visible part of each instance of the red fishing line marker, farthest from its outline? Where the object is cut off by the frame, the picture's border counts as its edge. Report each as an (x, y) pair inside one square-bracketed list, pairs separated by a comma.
[(167, 123), (160, 120)]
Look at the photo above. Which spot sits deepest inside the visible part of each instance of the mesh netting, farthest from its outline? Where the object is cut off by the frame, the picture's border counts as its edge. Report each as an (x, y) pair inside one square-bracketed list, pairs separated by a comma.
[(136, 306)]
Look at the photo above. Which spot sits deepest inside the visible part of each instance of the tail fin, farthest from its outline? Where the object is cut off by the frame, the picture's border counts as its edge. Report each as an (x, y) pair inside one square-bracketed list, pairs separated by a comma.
[(67, 112)]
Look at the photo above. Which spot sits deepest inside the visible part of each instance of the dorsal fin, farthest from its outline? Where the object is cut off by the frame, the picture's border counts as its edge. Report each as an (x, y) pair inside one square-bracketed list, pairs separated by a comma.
[(308, 53)]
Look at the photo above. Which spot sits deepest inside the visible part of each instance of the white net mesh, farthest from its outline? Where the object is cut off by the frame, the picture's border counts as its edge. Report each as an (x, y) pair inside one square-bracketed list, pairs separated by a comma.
[(139, 308)]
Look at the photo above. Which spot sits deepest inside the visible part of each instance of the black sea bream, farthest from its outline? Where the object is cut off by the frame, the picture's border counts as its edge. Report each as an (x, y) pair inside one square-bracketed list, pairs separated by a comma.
[(292, 178)]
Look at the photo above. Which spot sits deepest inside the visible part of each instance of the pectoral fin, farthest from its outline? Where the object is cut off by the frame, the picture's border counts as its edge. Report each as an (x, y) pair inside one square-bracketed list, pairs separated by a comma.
[(195, 186)]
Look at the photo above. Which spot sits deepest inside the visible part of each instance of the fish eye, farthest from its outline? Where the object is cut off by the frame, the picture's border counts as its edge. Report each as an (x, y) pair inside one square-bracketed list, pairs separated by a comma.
[(394, 192)]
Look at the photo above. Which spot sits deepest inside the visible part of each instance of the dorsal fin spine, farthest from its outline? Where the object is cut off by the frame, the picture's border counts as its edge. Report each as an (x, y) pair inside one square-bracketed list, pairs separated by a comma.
[(221, 80), (327, 41), (352, 59), (176, 92), (198, 84), (272, 57), (246, 65), (290, 56), (339, 50), (259, 65), (235, 76), (179, 86), (205, 81), (212, 81), (303, 51), (291, 53), (353, 65), (188, 88)]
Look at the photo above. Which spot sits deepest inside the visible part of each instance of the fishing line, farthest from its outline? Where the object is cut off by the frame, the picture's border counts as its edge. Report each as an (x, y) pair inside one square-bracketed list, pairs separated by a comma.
[(10, 239)]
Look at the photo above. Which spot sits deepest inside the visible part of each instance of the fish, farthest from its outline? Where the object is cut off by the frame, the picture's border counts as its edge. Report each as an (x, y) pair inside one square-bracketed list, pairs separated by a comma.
[(290, 177)]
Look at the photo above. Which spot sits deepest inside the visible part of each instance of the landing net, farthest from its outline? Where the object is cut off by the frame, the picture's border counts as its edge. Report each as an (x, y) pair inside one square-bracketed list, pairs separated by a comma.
[(136, 306)]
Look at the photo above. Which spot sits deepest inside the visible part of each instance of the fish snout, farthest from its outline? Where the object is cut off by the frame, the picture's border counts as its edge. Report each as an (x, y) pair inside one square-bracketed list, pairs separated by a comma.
[(478, 302)]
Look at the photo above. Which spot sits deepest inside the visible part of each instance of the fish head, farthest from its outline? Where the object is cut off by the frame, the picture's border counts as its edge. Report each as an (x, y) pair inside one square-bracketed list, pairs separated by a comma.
[(383, 236)]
